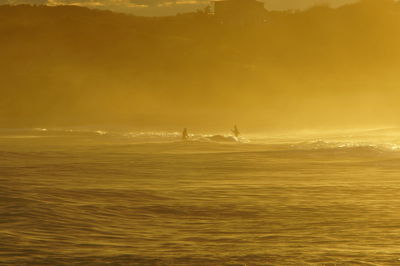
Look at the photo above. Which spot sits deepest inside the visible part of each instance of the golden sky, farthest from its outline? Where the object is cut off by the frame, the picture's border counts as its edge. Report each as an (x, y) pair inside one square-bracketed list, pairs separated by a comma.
[(169, 7)]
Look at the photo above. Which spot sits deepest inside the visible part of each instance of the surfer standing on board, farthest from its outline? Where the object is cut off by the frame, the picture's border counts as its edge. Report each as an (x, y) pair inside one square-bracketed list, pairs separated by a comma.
[(235, 131), (185, 135)]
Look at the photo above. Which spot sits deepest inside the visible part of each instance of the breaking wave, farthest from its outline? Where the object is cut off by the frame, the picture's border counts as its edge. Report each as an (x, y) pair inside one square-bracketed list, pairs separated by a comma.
[(367, 141)]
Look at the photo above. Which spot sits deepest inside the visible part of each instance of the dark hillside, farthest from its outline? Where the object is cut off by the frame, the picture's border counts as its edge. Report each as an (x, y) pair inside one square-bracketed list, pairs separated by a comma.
[(71, 65)]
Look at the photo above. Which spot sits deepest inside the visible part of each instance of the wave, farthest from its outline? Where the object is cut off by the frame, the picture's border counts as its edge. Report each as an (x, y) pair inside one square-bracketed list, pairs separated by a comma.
[(157, 136), (349, 145), (355, 143), (45, 132)]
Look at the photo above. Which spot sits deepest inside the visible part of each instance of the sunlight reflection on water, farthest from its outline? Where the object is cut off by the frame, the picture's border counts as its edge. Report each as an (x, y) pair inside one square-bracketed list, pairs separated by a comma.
[(94, 198)]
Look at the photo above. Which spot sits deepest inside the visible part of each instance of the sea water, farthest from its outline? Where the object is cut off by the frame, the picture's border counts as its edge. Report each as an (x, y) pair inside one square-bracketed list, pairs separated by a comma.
[(92, 197)]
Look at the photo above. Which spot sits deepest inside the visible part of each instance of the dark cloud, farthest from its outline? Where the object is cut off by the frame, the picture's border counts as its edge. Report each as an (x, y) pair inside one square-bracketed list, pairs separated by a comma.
[(147, 2), (168, 7), (18, 2)]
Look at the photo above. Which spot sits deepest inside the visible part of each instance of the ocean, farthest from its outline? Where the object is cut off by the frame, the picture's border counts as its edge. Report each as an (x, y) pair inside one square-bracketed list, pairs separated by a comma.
[(97, 197)]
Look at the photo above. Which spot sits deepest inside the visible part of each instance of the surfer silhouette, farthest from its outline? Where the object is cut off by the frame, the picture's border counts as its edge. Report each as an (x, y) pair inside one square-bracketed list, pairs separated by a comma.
[(185, 134), (235, 131)]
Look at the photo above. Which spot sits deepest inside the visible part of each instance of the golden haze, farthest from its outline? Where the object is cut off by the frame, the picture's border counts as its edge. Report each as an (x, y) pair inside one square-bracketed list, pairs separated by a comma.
[(322, 67)]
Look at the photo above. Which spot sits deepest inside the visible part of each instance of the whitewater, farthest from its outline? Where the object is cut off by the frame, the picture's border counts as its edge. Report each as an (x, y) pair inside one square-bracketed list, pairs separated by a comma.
[(95, 196)]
